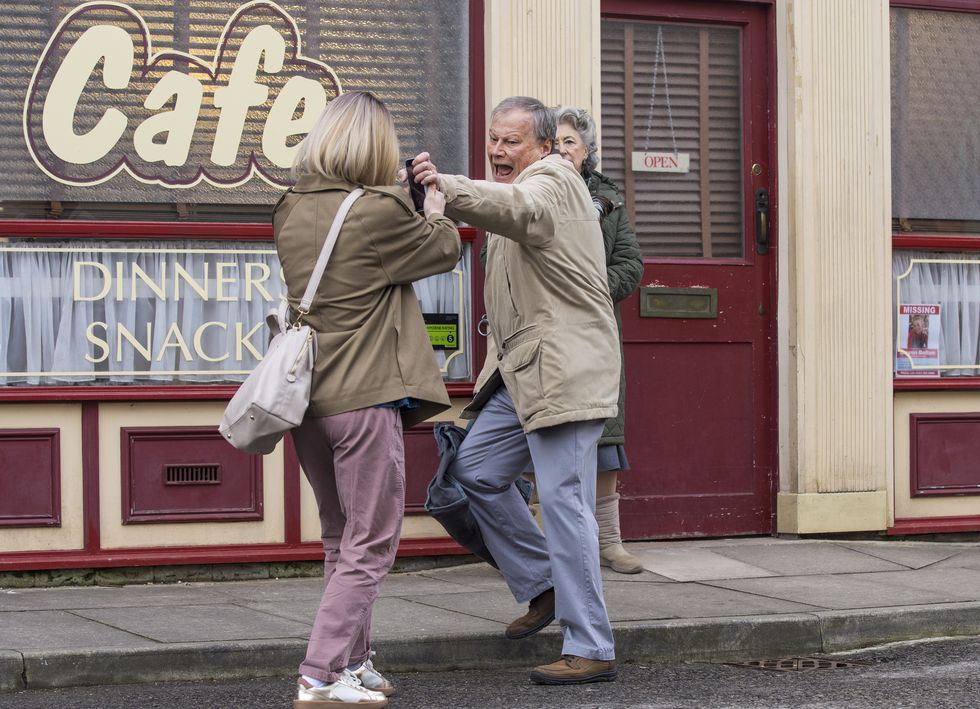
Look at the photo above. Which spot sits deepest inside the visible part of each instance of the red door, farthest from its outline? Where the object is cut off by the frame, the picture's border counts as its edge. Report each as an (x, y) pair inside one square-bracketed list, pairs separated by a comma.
[(688, 133)]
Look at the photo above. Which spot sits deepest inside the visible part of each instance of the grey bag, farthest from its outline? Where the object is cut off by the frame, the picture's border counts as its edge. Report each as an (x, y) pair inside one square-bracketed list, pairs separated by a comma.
[(446, 499), (273, 399)]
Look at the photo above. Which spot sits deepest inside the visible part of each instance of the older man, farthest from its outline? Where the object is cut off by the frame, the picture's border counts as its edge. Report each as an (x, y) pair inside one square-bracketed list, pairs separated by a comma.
[(550, 380)]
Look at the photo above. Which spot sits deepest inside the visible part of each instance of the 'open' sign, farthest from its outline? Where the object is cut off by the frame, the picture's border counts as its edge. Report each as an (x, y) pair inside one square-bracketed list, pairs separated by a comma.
[(661, 162)]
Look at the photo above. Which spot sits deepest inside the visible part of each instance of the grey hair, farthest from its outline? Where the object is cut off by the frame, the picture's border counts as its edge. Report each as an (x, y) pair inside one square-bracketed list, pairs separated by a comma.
[(584, 125), (543, 117)]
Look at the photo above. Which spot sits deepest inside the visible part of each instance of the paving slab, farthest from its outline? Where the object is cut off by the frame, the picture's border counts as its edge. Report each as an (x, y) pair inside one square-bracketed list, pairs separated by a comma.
[(840, 592), (964, 583), (300, 610), (969, 559), (199, 623), (474, 576), (34, 630), (691, 600), (499, 607), (409, 618), (69, 598), (823, 558), (419, 584), (645, 576), (696, 564), (264, 591), (914, 555)]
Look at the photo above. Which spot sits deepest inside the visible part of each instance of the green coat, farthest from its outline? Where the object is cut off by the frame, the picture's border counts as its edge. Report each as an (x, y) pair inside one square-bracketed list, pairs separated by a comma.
[(624, 269)]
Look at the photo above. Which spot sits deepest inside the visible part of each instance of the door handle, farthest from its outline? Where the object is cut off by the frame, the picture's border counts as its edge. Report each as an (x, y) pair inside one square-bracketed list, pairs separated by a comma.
[(761, 221)]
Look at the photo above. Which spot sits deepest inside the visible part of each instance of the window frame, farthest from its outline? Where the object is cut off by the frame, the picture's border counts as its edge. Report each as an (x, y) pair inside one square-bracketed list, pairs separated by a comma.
[(935, 242), (255, 232)]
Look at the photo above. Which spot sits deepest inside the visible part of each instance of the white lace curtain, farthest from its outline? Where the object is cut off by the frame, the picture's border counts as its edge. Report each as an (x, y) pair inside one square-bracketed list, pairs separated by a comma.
[(955, 285), (46, 330)]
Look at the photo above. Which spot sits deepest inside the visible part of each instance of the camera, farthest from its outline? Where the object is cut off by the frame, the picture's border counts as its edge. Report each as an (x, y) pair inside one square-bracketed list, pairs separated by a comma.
[(415, 189)]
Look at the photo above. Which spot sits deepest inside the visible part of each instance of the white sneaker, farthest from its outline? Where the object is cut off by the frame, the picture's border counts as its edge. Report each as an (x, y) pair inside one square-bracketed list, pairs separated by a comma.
[(372, 679), (347, 691)]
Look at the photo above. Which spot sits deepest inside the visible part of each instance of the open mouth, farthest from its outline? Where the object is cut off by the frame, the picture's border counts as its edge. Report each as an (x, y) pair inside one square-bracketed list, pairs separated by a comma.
[(502, 172)]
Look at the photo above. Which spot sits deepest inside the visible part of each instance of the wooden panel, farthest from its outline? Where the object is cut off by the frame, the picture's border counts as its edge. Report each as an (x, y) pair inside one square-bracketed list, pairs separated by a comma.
[(691, 428), (944, 453), (935, 525), (421, 461), (148, 451), (30, 477)]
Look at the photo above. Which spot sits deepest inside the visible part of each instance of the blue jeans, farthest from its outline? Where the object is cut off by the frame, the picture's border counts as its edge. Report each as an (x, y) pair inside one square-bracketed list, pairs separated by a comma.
[(491, 457)]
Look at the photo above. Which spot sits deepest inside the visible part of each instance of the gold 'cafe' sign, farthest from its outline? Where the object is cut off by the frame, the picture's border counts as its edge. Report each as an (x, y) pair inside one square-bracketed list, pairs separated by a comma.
[(103, 100)]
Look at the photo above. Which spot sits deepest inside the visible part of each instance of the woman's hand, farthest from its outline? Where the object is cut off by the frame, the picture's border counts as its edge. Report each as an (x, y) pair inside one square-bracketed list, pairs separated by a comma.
[(425, 173), (435, 201)]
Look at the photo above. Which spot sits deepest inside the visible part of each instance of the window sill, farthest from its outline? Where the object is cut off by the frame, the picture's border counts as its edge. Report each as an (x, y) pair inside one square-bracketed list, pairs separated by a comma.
[(957, 383)]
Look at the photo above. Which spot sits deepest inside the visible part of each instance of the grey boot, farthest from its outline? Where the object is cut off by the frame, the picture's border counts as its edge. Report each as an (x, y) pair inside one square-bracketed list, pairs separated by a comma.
[(612, 553)]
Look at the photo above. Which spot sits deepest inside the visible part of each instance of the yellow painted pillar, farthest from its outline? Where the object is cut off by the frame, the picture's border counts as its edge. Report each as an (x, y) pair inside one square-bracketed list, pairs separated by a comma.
[(835, 266)]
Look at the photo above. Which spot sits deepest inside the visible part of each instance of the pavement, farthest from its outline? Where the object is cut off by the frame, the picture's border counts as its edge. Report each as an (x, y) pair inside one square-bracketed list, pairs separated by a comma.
[(728, 600)]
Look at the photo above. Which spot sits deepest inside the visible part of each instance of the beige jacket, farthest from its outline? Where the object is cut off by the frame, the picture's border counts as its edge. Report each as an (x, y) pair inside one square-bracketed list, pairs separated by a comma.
[(554, 342), (372, 345)]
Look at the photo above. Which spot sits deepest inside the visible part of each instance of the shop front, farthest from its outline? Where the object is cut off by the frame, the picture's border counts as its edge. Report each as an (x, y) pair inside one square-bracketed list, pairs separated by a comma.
[(144, 146), (802, 355)]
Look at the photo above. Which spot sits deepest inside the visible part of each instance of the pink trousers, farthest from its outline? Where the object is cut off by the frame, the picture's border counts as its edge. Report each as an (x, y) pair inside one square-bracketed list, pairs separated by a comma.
[(355, 463)]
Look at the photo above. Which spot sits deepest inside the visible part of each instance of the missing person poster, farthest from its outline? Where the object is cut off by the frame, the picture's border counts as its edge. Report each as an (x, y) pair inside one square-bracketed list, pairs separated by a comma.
[(917, 348)]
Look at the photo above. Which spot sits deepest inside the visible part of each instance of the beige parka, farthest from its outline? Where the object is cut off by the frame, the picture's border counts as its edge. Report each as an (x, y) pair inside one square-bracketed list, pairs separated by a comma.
[(372, 344), (553, 338)]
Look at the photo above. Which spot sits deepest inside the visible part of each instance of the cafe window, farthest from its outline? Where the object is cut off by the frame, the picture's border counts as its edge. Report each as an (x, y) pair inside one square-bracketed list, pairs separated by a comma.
[(935, 76), (167, 312), (935, 118), (171, 127), (178, 110)]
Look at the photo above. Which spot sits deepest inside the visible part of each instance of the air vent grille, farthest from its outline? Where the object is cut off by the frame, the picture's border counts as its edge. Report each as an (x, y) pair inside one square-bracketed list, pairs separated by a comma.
[(192, 474)]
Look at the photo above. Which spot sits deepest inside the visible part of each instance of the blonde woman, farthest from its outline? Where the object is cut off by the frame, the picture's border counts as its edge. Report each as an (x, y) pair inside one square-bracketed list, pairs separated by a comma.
[(375, 373)]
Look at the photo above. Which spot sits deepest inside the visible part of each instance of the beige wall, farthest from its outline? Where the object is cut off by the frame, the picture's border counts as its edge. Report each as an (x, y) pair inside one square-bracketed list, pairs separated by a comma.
[(907, 507), (835, 264), (113, 417), (548, 49), (68, 419)]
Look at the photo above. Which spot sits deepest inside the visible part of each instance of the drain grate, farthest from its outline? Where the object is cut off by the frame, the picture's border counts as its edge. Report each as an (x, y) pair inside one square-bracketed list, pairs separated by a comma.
[(798, 664)]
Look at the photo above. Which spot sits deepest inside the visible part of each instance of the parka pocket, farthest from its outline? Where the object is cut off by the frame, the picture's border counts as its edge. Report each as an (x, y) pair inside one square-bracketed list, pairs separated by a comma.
[(519, 357), (521, 371)]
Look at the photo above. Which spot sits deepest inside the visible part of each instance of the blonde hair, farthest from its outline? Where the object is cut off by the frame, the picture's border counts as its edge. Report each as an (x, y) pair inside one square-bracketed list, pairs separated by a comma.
[(353, 140)]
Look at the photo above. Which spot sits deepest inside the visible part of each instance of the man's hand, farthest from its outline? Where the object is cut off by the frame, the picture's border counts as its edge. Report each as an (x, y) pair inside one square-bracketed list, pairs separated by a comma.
[(425, 170)]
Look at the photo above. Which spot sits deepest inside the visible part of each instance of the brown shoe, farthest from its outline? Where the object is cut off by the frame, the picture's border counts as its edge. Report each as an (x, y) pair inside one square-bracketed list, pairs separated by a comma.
[(572, 669), (540, 613)]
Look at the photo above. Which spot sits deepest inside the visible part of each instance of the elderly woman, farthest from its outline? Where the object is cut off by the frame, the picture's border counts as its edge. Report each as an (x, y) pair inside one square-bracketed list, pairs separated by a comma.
[(576, 142), (374, 373)]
